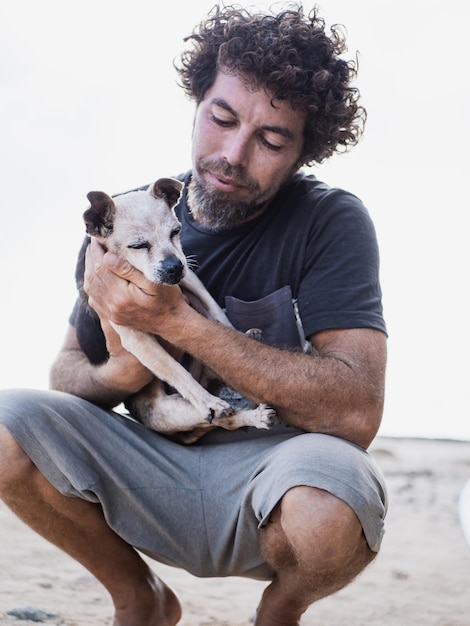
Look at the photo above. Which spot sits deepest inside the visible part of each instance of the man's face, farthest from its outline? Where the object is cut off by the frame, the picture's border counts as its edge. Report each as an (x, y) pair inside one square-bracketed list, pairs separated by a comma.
[(244, 150)]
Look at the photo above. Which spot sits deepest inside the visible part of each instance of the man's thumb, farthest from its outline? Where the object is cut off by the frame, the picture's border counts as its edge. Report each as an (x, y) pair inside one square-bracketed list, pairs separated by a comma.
[(125, 270), (119, 266)]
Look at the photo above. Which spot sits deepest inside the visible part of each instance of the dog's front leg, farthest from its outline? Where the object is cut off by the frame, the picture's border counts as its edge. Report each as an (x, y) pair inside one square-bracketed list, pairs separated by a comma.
[(151, 354), (201, 300)]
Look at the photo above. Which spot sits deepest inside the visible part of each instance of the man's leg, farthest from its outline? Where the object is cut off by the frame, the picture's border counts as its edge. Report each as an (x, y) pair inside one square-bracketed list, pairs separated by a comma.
[(78, 528), (314, 543)]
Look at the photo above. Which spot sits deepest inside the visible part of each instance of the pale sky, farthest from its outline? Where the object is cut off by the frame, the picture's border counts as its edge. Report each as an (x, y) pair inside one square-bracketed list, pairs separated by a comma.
[(89, 101)]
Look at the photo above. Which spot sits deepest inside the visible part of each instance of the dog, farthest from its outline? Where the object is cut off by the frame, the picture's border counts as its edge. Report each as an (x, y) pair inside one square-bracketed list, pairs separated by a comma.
[(142, 227)]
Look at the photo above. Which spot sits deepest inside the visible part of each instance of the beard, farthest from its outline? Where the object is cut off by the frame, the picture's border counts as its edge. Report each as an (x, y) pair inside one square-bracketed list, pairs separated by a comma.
[(217, 209)]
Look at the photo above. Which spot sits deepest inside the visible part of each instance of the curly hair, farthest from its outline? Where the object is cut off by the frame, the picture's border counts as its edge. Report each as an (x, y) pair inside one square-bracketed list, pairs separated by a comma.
[(289, 55)]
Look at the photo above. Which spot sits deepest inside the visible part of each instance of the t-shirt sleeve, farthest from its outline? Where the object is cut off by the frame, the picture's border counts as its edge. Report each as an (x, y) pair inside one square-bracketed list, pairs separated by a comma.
[(340, 286)]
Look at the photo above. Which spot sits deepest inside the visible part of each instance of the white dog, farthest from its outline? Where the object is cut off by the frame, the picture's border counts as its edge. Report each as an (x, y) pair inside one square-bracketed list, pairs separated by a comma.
[(141, 227)]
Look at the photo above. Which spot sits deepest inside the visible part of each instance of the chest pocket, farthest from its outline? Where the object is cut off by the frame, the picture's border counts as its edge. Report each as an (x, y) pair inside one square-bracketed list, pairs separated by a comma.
[(275, 315)]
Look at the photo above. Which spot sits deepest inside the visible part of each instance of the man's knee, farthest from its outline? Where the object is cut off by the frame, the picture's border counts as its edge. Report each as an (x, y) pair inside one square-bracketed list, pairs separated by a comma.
[(14, 463), (321, 530)]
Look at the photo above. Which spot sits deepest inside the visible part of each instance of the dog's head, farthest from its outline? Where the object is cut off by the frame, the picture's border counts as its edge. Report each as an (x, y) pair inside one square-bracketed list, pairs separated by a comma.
[(141, 226)]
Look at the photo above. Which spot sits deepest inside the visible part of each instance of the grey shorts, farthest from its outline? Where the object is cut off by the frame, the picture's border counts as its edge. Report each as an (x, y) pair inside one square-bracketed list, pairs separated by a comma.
[(197, 507)]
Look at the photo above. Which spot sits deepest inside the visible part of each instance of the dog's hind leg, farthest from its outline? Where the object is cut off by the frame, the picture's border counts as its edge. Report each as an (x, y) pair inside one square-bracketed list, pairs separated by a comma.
[(172, 415), (151, 354), (163, 412), (260, 417)]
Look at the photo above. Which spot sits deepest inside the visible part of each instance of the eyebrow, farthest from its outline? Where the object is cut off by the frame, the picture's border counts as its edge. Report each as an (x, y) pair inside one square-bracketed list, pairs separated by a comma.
[(280, 130)]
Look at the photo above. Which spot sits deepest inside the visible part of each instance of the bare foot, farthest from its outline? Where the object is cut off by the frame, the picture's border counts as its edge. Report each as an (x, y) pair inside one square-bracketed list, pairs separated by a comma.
[(155, 606)]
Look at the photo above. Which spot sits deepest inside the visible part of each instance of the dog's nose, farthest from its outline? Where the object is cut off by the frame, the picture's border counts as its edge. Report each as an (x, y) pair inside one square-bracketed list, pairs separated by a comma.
[(171, 270)]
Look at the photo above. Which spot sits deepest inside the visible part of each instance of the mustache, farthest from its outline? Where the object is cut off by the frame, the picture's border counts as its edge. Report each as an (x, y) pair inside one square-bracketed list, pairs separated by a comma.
[(237, 173)]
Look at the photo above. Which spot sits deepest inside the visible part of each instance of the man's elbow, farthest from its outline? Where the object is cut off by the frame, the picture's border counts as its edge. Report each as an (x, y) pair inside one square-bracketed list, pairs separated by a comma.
[(55, 377), (365, 425)]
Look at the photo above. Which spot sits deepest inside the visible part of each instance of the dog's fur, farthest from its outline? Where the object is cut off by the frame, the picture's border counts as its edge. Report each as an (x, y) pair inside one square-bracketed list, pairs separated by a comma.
[(141, 227)]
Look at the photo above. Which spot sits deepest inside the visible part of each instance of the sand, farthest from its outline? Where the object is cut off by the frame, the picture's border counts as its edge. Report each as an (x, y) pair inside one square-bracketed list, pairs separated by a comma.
[(420, 578)]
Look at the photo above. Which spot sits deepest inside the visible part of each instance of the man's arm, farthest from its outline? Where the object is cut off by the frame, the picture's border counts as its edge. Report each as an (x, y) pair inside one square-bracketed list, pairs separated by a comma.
[(106, 385), (339, 391)]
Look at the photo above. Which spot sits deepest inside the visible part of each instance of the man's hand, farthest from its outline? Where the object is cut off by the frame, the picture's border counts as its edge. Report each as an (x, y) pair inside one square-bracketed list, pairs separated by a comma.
[(119, 292)]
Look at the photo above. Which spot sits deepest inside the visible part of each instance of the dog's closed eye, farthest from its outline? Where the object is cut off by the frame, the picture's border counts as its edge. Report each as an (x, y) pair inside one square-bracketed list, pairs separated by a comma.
[(141, 245)]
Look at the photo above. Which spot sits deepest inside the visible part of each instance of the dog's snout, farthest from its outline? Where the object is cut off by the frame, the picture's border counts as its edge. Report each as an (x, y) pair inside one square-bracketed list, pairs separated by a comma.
[(171, 270)]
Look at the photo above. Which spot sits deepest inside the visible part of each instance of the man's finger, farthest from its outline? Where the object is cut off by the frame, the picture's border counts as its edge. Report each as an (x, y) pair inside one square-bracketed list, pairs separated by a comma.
[(125, 270), (119, 266), (95, 252)]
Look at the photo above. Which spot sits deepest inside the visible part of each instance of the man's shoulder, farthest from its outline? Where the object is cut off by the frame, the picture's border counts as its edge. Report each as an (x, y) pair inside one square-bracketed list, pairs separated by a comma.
[(309, 187), (312, 200)]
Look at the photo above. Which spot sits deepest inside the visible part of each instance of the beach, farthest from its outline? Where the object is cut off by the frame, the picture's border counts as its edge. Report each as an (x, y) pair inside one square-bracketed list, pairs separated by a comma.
[(420, 578)]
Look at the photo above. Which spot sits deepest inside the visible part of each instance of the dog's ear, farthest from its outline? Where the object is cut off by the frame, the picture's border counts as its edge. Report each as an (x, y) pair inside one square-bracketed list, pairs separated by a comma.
[(100, 216), (167, 188)]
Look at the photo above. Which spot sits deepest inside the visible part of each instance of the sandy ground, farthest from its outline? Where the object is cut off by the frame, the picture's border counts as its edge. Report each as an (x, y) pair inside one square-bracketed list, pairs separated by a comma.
[(421, 577)]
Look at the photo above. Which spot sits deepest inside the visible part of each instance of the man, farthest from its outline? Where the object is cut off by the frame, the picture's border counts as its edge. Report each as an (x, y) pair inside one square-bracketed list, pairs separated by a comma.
[(301, 505)]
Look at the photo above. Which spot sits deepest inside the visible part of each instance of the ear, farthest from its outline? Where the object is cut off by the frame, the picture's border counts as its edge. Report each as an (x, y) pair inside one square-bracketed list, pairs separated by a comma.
[(167, 188), (99, 217)]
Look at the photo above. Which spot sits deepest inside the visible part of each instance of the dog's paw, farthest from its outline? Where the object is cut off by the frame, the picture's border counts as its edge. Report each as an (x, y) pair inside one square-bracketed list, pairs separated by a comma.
[(219, 410), (264, 416), (255, 333)]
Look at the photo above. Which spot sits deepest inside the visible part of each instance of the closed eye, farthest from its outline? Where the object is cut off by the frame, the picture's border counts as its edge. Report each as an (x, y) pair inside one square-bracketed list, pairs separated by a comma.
[(223, 123), (270, 146), (141, 245)]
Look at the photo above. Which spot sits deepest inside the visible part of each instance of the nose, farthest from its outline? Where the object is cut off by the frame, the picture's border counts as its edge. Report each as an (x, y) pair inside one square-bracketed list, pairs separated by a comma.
[(236, 148), (171, 270)]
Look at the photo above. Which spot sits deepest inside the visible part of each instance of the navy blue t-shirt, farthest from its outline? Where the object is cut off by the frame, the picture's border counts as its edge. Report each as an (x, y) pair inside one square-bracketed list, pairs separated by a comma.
[(313, 253)]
